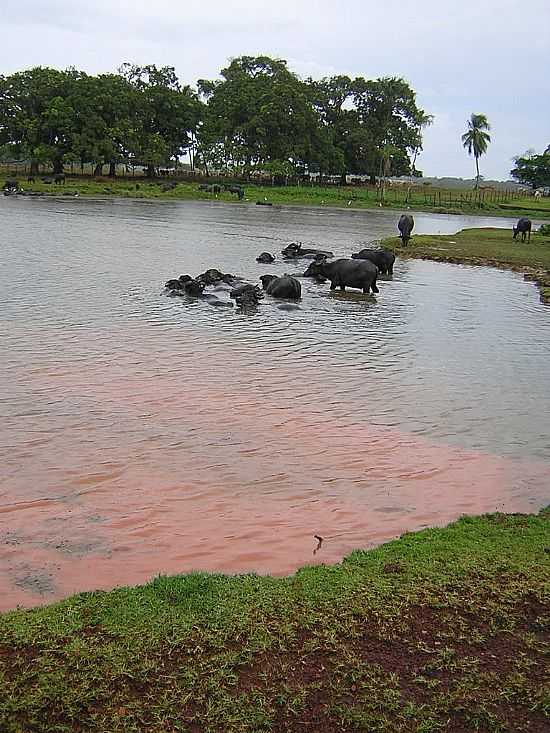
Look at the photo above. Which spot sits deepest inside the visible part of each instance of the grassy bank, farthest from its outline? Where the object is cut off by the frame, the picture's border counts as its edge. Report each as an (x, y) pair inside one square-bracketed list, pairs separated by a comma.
[(442, 630), (494, 247), (419, 199)]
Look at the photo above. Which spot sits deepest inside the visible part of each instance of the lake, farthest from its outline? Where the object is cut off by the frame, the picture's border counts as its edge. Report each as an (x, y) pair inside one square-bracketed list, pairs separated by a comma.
[(146, 434)]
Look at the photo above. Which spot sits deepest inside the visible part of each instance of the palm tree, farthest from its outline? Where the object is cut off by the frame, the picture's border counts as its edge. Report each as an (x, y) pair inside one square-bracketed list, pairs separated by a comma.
[(475, 140)]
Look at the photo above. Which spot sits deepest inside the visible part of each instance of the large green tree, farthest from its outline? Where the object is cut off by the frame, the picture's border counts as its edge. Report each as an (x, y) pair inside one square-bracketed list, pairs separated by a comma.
[(37, 115), (388, 113), (476, 139), (259, 114), (533, 169), (165, 118)]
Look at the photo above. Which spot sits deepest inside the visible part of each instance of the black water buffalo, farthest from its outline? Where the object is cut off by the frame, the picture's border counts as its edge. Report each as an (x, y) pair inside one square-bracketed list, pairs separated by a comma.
[(295, 249), (282, 287), (10, 185), (185, 284), (246, 295), (239, 190), (382, 258), (210, 188), (265, 257), (313, 271), (360, 274), (405, 226), (243, 288), (523, 227)]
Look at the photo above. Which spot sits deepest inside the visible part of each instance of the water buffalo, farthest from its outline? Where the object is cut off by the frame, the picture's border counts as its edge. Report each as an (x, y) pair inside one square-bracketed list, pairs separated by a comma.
[(313, 271), (295, 249), (193, 287), (185, 284), (360, 274), (59, 178), (239, 190), (243, 288), (11, 185), (246, 295), (210, 188), (382, 258), (405, 226), (282, 287), (265, 257), (523, 227)]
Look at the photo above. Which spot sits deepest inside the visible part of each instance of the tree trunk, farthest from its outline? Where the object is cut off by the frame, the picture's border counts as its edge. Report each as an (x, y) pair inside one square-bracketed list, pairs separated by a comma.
[(58, 166), (151, 172), (98, 170), (34, 167), (112, 169), (343, 179), (477, 169)]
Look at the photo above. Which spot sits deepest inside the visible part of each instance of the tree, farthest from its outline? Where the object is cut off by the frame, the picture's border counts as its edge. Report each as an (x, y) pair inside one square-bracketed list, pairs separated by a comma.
[(165, 118), (476, 139), (388, 113), (36, 114), (106, 116), (259, 113), (533, 169)]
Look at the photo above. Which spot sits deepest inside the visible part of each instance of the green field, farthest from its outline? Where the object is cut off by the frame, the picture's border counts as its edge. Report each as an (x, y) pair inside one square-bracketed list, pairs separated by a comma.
[(494, 247), (488, 203), (441, 630)]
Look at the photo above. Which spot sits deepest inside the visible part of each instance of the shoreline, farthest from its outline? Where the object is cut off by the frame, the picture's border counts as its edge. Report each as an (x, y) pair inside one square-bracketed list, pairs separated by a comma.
[(442, 626), (447, 248)]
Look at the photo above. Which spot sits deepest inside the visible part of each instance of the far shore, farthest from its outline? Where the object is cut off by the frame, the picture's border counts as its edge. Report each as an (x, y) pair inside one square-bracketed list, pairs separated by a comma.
[(348, 198)]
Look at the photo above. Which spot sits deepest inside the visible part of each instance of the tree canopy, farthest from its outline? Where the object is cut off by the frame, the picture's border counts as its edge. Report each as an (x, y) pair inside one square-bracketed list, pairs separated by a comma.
[(259, 115), (533, 169)]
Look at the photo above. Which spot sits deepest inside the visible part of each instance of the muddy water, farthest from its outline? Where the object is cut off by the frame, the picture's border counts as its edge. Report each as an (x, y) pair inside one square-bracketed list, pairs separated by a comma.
[(143, 434)]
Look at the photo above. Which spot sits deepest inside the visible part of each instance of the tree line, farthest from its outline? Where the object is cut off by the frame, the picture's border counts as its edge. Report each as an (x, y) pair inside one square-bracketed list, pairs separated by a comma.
[(258, 115)]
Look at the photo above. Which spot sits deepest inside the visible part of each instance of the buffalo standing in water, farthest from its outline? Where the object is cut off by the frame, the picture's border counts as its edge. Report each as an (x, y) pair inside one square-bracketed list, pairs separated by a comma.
[(523, 227), (360, 274), (382, 258), (405, 226)]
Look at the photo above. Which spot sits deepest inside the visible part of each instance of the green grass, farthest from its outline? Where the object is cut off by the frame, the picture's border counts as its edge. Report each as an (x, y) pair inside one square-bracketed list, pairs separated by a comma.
[(445, 629), (494, 247), (361, 197)]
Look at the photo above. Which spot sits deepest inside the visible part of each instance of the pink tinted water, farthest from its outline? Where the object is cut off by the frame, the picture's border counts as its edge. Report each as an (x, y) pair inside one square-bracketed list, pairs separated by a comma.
[(143, 435)]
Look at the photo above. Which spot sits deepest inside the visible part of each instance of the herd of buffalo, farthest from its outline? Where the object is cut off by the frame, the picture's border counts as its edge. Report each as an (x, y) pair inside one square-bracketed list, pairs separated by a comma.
[(360, 271)]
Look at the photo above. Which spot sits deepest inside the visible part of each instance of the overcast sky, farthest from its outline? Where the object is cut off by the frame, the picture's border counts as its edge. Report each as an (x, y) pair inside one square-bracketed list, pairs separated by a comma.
[(485, 56)]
